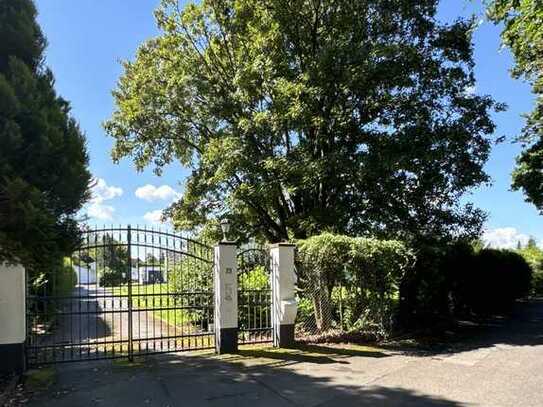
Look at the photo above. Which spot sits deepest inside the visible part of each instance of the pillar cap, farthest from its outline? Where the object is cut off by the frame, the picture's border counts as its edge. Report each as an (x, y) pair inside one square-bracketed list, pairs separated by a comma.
[(282, 244), (227, 243)]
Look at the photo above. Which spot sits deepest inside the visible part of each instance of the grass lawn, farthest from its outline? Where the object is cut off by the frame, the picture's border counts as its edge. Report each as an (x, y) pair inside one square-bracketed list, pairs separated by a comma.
[(161, 301)]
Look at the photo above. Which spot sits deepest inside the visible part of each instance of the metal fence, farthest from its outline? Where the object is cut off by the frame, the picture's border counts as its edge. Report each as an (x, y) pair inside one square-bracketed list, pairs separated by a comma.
[(124, 292), (321, 309), (254, 295)]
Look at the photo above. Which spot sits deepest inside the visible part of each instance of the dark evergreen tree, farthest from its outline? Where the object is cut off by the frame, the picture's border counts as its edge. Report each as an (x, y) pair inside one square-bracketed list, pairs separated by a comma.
[(44, 179)]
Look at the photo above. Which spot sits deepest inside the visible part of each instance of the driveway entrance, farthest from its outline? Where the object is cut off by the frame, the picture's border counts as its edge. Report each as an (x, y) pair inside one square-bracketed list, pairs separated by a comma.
[(150, 292)]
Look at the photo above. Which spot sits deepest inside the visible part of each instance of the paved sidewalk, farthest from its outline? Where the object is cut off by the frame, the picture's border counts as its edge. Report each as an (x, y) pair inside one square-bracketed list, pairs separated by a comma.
[(503, 367)]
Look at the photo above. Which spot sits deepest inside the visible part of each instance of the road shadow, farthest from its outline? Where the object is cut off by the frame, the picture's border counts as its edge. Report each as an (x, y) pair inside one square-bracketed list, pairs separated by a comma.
[(206, 380), (303, 353), (522, 327), (81, 316), (78, 324)]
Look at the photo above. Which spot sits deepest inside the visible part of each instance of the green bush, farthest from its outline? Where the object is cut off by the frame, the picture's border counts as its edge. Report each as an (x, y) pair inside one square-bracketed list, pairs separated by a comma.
[(534, 256), (537, 283), (65, 279), (254, 297), (109, 277), (190, 281), (426, 289), (497, 279), (58, 282), (369, 270), (454, 280)]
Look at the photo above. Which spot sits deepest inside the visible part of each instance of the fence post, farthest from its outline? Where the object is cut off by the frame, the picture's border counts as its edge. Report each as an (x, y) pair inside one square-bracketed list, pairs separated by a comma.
[(12, 318), (226, 298), (285, 304)]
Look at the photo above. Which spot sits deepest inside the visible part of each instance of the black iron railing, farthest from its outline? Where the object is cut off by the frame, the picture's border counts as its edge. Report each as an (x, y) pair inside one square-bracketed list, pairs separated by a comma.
[(123, 292)]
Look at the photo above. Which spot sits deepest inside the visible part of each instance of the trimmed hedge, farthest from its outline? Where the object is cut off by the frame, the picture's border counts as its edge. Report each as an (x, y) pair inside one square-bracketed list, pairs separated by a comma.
[(436, 282), (457, 281), (367, 270), (496, 280)]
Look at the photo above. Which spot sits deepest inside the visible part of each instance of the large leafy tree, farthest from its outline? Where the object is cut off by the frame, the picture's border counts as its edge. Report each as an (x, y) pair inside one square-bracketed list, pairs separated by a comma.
[(43, 160), (523, 35), (309, 115)]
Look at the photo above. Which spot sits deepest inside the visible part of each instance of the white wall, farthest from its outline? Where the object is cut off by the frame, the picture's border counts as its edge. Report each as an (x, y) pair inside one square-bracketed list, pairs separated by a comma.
[(86, 275), (12, 304)]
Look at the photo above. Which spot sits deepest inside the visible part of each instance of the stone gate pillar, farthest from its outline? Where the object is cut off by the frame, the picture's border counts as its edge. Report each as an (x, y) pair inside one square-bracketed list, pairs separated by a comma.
[(285, 304), (226, 298), (12, 318)]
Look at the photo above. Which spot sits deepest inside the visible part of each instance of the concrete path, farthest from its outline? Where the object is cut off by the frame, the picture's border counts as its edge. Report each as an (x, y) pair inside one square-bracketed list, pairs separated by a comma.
[(502, 367)]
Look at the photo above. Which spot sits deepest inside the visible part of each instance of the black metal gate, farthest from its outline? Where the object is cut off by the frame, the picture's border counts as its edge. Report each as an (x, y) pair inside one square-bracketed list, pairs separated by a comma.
[(124, 292), (254, 295)]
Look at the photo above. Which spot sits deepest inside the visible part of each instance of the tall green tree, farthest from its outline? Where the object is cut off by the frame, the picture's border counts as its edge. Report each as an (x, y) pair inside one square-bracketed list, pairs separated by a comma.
[(523, 36), (44, 178), (309, 115)]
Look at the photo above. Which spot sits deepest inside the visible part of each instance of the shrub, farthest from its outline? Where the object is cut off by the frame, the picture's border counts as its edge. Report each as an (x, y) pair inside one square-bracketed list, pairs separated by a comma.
[(454, 280), (59, 282), (369, 270), (537, 283), (109, 277), (497, 279), (426, 289), (66, 279), (191, 282), (322, 260), (254, 297), (534, 256)]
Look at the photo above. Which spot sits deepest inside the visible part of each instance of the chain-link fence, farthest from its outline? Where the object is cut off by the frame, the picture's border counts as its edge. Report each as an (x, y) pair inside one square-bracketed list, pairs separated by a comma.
[(321, 309)]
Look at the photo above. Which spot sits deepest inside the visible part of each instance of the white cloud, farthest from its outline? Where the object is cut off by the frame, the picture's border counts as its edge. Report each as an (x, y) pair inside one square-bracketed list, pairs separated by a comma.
[(504, 238), (101, 191), (100, 211), (151, 193), (154, 217)]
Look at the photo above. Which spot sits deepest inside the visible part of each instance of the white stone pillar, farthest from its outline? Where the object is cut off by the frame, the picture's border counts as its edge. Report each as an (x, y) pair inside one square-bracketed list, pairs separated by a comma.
[(226, 298), (285, 304), (12, 318)]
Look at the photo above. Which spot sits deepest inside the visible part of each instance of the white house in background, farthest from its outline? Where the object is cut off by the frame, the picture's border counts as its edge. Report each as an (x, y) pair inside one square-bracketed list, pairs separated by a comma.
[(149, 274), (86, 274)]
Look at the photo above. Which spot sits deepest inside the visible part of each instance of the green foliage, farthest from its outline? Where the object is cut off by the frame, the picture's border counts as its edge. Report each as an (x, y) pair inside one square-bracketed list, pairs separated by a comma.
[(425, 291), (59, 281), (298, 117), (108, 277), (111, 258), (43, 160), (111, 255), (191, 275), (522, 34), (65, 279), (254, 297), (256, 279), (368, 270), (456, 280), (534, 256), (502, 275)]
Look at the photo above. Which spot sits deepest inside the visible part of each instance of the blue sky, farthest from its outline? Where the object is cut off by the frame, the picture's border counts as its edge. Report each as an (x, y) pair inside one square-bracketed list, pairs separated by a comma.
[(88, 38)]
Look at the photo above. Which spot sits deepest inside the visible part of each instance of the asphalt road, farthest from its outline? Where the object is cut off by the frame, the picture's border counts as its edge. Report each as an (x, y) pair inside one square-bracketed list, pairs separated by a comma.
[(500, 367)]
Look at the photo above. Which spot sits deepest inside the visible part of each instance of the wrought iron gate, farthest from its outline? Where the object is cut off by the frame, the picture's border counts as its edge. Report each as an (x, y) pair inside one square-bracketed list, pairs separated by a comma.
[(254, 295), (124, 292)]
